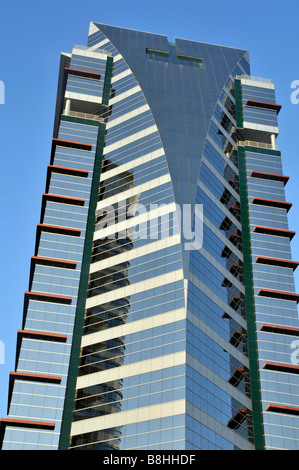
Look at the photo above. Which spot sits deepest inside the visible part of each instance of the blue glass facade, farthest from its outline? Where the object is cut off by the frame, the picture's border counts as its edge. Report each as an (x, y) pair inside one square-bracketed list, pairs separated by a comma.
[(131, 340), (275, 317), (38, 386)]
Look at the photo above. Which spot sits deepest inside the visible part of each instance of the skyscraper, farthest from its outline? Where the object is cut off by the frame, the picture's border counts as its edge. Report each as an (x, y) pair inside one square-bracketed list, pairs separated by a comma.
[(161, 310)]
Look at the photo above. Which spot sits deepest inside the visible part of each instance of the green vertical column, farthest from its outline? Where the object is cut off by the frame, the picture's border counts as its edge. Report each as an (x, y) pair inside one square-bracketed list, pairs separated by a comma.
[(107, 82), (255, 387), (80, 311), (239, 103)]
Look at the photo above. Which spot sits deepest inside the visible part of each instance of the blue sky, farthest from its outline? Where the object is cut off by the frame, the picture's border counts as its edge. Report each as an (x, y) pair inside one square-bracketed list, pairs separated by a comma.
[(32, 35)]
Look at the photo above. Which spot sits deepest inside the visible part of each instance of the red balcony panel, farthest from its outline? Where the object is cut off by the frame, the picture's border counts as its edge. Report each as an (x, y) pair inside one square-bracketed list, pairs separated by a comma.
[(64, 199), (75, 232), (236, 377), (71, 144), (68, 171), (68, 144), (236, 338), (281, 367), (274, 231), (235, 211), (21, 423), (281, 330), (59, 200), (35, 377), (237, 419), (44, 297), (284, 263), (68, 231), (41, 335), (264, 105), (58, 263), (283, 409), (269, 176), (233, 183), (234, 269), (277, 294), (30, 377), (83, 73), (234, 303), (233, 238), (26, 423), (272, 203), (50, 262)]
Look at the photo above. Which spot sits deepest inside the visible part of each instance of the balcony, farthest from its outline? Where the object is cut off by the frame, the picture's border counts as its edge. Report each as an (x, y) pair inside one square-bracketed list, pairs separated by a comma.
[(78, 114), (252, 143), (255, 79)]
